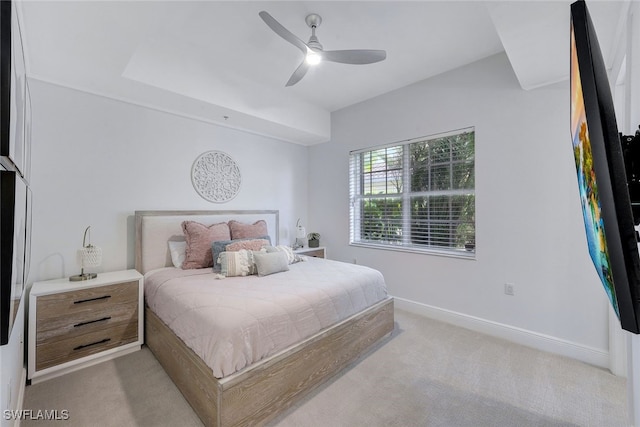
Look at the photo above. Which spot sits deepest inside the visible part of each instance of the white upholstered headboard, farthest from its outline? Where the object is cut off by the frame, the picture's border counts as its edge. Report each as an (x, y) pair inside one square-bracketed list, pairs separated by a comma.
[(155, 228)]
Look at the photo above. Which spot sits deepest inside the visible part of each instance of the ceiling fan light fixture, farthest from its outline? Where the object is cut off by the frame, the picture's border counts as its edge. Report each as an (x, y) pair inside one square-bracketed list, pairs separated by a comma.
[(313, 58)]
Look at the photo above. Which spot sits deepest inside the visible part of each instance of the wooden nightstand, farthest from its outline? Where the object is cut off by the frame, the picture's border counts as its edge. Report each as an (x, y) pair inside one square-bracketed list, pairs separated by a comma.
[(320, 252), (76, 324)]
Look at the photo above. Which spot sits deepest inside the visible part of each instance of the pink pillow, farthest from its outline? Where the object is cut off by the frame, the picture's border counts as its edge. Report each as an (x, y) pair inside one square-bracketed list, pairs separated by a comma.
[(250, 245), (240, 230), (199, 238)]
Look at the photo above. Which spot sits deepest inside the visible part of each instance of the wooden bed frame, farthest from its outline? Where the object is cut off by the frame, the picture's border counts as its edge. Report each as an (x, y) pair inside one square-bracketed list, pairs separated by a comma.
[(259, 392)]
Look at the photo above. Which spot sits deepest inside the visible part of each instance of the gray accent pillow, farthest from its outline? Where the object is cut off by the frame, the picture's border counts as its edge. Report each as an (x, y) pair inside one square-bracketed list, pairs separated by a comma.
[(270, 263), (291, 257)]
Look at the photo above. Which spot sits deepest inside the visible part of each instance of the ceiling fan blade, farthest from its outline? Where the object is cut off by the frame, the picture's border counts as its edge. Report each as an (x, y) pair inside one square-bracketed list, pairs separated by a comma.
[(361, 56), (298, 74), (283, 32)]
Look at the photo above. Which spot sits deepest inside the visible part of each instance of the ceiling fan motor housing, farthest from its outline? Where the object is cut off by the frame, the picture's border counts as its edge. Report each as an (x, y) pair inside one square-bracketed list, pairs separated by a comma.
[(314, 20)]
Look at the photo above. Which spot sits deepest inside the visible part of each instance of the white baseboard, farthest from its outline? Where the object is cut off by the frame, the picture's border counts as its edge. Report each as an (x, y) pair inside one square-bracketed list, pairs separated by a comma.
[(591, 355)]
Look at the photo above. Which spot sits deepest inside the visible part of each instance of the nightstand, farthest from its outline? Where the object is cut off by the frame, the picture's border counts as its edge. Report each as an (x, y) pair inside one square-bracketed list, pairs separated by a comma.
[(77, 324), (320, 252)]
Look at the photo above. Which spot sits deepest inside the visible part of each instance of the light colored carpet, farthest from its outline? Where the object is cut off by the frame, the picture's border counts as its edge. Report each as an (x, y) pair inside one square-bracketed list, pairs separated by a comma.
[(427, 374)]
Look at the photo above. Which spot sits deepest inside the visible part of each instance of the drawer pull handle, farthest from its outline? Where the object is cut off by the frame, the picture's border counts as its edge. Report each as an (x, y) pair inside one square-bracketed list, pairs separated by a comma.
[(91, 321), (92, 299), (80, 347)]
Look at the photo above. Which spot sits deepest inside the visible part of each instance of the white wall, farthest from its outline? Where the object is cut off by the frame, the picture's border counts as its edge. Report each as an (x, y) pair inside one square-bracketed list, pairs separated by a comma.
[(97, 160), (528, 218)]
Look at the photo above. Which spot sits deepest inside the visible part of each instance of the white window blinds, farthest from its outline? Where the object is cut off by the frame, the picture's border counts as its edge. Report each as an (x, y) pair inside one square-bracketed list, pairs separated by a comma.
[(416, 195)]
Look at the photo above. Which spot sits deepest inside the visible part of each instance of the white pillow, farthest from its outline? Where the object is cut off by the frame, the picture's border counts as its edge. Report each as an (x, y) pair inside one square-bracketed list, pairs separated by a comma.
[(178, 253)]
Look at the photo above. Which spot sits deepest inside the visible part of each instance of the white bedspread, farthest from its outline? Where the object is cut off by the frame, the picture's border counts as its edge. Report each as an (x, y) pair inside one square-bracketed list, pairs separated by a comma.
[(233, 322)]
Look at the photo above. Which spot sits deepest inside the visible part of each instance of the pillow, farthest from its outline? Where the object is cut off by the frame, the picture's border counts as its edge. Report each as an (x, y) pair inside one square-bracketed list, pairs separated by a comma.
[(221, 245), (235, 263), (240, 230), (177, 250), (240, 263), (291, 257), (270, 263), (249, 244), (199, 238)]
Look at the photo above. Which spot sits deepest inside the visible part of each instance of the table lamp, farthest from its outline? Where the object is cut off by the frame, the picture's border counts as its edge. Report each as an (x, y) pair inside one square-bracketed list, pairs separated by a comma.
[(90, 256), (301, 235)]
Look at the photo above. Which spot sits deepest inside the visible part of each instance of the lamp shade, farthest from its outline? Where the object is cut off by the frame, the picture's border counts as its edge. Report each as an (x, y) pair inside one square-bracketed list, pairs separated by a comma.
[(91, 256), (301, 234)]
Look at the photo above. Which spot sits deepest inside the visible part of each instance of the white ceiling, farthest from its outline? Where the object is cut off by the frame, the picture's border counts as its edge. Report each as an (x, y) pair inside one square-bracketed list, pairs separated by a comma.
[(219, 62)]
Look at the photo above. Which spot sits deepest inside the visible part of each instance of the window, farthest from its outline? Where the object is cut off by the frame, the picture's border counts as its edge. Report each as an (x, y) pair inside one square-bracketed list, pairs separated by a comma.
[(417, 195)]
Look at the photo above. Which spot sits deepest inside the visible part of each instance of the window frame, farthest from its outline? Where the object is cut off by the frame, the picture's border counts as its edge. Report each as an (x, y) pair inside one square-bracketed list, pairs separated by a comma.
[(357, 194)]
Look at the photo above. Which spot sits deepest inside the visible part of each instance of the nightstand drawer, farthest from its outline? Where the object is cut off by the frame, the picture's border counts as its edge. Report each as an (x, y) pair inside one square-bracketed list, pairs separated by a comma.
[(56, 352), (320, 252), (83, 303), (59, 327), (317, 253)]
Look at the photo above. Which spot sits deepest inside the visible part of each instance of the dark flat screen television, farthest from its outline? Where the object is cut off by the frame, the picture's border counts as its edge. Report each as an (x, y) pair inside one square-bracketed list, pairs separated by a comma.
[(12, 89), (602, 179), (15, 206), (14, 229)]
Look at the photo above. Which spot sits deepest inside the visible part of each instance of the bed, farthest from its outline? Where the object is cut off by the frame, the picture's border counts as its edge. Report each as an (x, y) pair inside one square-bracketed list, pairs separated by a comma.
[(258, 381)]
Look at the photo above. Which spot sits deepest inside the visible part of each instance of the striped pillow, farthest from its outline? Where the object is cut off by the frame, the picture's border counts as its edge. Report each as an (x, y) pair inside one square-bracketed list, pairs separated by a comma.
[(235, 263)]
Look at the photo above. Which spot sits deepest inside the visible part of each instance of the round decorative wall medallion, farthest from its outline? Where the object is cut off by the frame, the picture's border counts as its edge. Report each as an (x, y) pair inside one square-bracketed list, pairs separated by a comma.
[(216, 176)]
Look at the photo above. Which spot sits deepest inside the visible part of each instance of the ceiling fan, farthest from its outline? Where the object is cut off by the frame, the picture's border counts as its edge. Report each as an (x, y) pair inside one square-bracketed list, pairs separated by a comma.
[(313, 50)]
